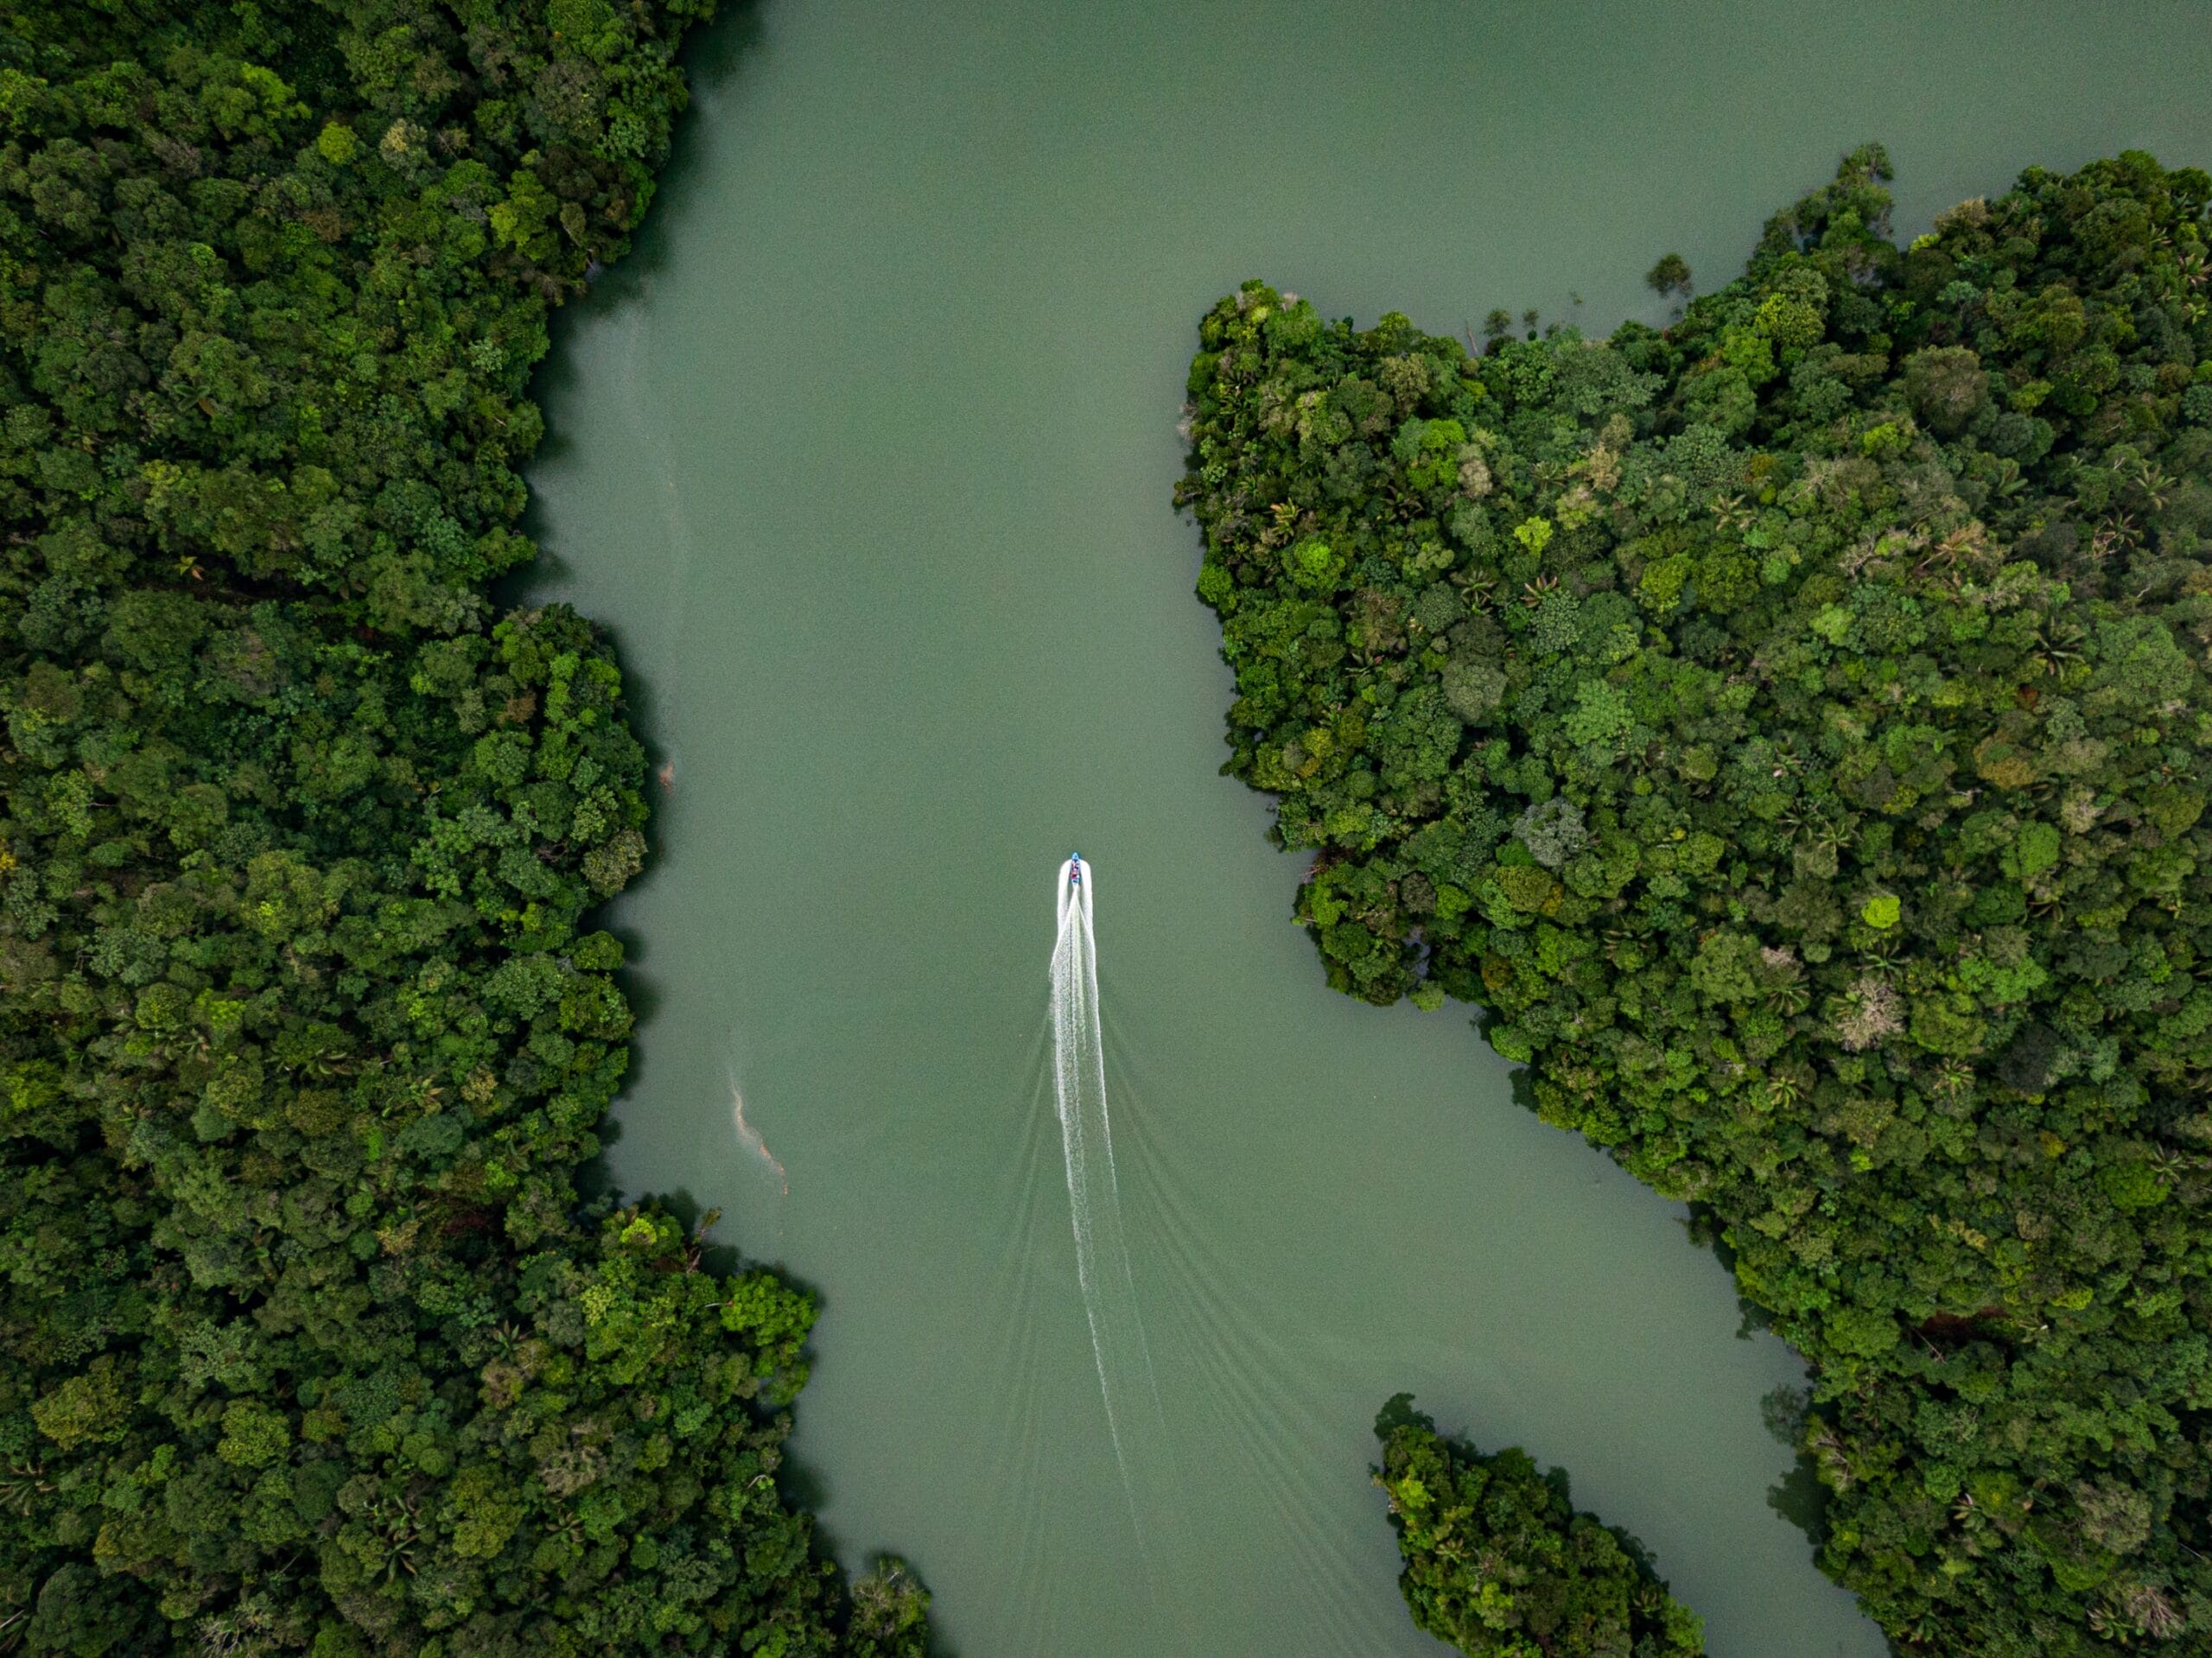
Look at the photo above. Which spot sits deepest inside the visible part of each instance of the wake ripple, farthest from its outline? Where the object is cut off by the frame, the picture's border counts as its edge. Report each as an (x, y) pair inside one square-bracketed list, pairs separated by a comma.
[(1126, 1380)]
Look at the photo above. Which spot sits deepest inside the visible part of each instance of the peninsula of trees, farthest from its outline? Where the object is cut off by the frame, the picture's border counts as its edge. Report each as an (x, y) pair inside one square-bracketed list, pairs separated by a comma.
[(1791, 729), (311, 1345)]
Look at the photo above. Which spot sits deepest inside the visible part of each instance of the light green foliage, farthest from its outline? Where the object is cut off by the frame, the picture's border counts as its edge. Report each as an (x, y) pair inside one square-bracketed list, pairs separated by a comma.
[(1860, 620), (337, 144), (1313, 565), (1601, 715), (313, 1345), (254, 1434)]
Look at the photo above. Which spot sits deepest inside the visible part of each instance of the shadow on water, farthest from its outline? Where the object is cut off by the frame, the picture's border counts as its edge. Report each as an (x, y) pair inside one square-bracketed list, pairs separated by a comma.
[(1705, 1231), (1701, 1226), (1799, 1497), (712, 56)]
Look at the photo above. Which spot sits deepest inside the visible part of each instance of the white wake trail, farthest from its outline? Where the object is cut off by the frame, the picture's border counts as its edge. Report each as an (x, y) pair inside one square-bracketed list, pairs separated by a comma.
[(1102, 1258)]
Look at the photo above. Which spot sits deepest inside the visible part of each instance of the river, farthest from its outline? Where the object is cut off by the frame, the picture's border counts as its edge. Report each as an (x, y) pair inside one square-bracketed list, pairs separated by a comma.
[(865, 457)]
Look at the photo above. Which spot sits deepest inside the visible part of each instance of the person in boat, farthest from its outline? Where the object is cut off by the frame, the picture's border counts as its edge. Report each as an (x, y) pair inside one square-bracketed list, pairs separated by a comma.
[(1075, 869)]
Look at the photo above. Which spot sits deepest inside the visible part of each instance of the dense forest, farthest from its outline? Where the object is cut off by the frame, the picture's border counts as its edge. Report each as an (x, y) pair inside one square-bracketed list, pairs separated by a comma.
[(1501, 1563), (312, 1345), (1791, 728)]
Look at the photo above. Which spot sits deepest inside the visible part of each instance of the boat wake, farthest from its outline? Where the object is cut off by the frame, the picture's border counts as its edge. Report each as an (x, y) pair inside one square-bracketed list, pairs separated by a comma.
[(1110, 1299)]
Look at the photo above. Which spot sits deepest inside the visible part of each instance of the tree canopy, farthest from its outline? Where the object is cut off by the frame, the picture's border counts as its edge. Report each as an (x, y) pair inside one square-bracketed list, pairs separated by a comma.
[(311, 1344), (1499, 1563), (1791, 728)]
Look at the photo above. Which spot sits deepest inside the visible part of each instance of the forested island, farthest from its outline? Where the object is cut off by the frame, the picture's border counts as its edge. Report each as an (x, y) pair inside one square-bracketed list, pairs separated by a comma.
[(312, 1345), (1790, 728), (1501, 1563)]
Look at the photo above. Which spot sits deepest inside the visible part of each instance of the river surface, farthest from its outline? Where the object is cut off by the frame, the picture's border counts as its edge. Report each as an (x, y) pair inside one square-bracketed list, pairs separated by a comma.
[(865, 457)]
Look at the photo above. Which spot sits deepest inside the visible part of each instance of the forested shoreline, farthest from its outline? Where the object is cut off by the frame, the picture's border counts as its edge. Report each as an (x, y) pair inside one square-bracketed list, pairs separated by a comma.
[(311, 1344), (1791, 728)]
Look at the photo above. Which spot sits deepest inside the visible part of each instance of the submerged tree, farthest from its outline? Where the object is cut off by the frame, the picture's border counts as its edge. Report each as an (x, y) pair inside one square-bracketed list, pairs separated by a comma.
[(1669, 277)]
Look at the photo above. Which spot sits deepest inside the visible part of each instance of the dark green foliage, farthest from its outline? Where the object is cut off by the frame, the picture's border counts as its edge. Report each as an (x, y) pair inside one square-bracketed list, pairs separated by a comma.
[(310, 1345), (1499, 1563), (1793, 727)]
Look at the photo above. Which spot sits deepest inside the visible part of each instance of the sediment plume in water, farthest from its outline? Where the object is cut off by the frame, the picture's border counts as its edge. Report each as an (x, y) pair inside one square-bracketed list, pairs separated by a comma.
[(1102, 1257), (749, 1137)]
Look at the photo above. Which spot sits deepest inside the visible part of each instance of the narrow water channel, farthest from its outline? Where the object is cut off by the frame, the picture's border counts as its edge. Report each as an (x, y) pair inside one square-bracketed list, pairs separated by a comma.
[(866, 459)]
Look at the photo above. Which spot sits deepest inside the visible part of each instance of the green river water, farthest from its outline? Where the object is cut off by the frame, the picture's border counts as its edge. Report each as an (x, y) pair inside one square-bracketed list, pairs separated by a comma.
[(866, 459)]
